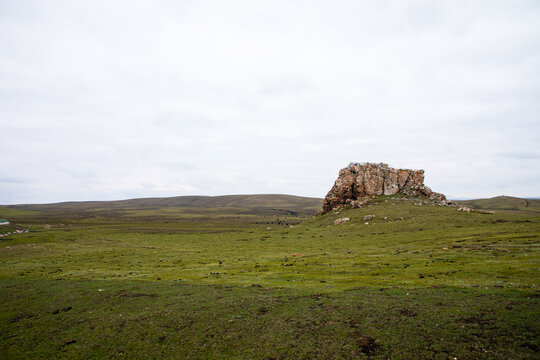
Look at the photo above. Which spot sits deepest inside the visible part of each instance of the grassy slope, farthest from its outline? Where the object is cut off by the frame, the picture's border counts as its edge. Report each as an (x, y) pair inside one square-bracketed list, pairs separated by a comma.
[(505, 204), (426, 282)]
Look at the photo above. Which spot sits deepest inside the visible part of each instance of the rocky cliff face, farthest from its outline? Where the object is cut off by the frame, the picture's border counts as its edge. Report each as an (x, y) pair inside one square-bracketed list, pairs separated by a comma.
[(362, 180)]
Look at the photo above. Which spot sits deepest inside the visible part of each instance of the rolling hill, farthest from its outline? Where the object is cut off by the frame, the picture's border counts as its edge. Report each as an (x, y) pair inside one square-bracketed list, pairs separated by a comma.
[(262, 204)]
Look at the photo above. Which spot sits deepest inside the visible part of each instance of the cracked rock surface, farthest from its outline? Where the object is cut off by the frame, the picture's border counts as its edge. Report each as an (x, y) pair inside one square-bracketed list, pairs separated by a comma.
[(363, 180)]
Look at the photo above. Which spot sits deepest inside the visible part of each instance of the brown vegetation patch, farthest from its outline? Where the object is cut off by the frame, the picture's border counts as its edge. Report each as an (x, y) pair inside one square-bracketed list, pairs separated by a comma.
[(475, 321), (366, 344), (22, 316), (136, 295), (407, 312)]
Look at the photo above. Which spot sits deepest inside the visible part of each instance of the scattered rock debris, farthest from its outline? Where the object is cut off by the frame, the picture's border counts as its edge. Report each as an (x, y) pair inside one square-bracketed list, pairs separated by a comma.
[(341, 220)]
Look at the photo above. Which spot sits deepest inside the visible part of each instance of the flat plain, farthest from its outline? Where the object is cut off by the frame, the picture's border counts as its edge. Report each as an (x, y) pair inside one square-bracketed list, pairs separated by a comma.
[(261, 278)]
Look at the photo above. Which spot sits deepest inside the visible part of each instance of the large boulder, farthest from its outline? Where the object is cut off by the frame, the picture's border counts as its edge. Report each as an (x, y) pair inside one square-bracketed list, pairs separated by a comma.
[(362, 180)]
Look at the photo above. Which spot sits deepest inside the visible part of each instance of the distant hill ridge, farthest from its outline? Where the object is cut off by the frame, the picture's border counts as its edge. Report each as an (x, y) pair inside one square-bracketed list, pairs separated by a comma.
[(505, 204), (268, 201)]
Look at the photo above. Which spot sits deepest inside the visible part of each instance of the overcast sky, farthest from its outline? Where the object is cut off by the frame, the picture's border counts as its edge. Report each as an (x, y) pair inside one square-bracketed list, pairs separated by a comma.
[(120, 99)]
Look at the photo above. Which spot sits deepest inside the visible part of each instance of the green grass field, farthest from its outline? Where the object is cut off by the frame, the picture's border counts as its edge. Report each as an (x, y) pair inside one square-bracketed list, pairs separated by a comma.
[(269, 282)]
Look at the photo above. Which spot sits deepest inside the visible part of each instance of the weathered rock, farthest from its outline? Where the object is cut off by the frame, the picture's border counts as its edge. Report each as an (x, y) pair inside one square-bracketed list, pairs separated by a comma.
[(449, 202), (391, 183), (342, 220), (425, 190), (437, 197), (356, 203), (342, 190), (363, 180)]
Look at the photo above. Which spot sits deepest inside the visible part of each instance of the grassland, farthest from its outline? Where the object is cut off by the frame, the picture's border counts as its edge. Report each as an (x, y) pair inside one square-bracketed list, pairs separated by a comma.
[(177, 281)]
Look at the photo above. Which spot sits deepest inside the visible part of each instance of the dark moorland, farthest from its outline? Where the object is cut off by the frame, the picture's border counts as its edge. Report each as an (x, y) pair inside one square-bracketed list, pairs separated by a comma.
[(258, 277)]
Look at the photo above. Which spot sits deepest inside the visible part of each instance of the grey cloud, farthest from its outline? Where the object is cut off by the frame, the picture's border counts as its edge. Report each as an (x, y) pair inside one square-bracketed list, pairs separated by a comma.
[(284, 85), (123, 99), (521, 155), (10, 180)]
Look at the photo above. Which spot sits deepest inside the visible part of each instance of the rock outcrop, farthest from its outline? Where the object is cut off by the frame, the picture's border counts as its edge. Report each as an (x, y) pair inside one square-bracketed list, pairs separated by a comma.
[(362, 180)]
